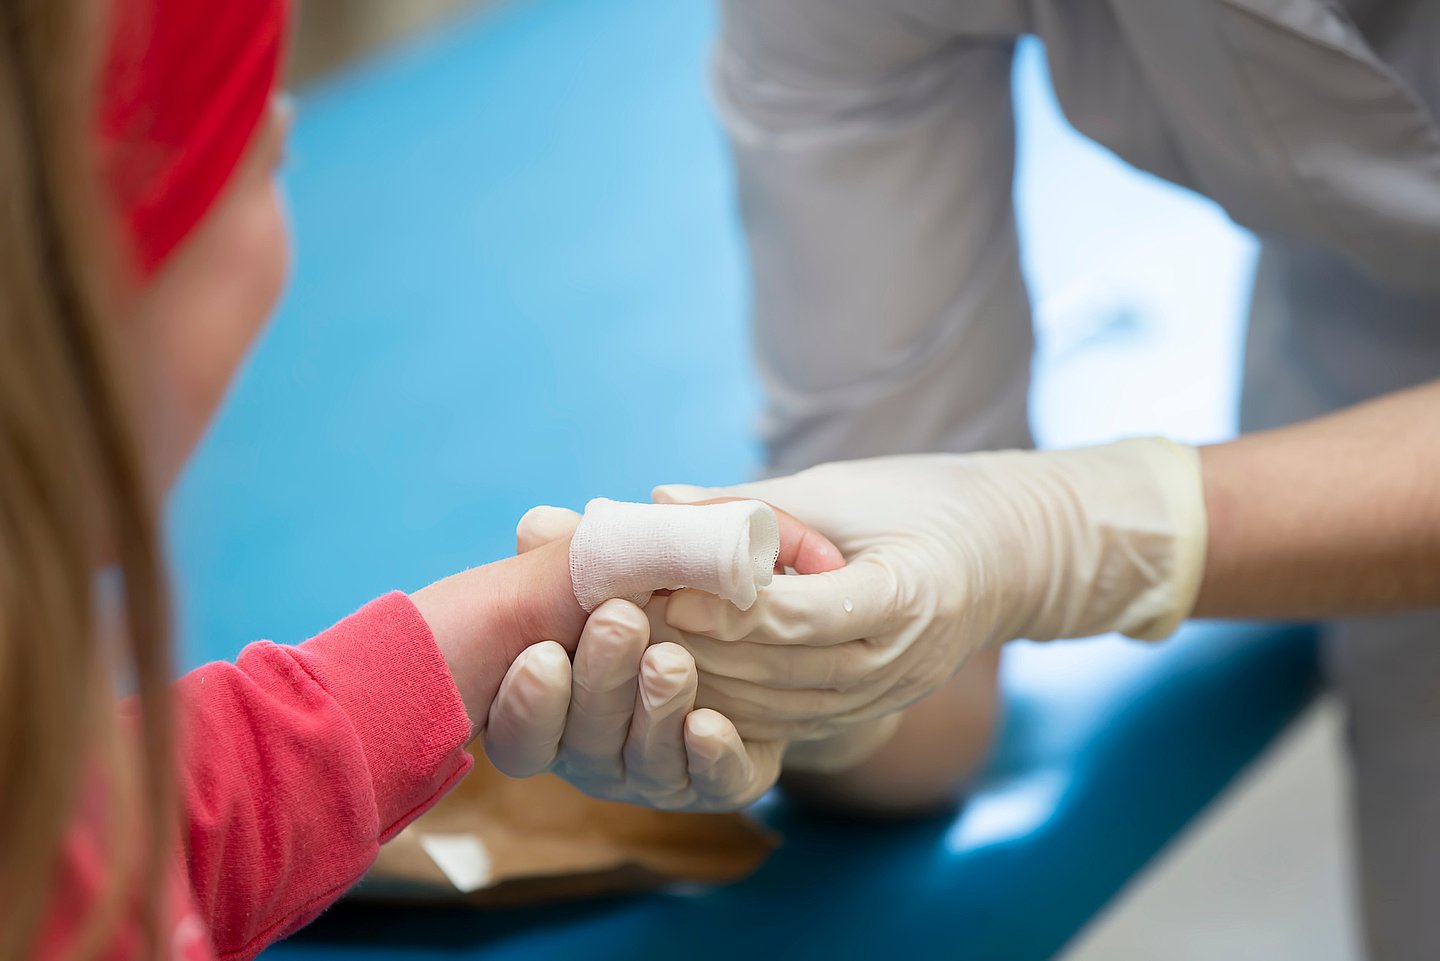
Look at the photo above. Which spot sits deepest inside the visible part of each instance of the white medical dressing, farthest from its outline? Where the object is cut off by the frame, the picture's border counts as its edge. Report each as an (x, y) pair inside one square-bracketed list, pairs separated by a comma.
[(632, 550)]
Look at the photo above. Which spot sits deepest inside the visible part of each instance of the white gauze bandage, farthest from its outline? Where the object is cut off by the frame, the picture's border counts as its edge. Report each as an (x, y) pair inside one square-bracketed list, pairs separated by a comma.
[(631, 550)]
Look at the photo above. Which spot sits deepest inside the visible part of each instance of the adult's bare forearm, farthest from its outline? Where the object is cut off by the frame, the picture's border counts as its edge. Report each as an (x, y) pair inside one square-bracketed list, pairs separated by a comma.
[(1334, 516)]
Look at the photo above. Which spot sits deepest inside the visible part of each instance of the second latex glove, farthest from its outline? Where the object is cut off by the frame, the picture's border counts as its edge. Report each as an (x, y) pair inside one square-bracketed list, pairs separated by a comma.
[(620, 724), (947, 554)]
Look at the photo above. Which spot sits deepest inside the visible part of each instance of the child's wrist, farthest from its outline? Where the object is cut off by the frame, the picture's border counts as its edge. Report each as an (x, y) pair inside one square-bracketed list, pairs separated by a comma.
[(544, 606), (483, 618)]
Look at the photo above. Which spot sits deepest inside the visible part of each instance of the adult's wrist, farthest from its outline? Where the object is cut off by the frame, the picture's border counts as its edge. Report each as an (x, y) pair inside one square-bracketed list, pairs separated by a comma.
[(1118, 542), (1178, 478)]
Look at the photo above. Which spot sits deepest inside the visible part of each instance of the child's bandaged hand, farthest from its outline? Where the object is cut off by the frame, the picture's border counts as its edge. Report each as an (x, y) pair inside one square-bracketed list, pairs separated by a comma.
[(621, 723), (730, 549)]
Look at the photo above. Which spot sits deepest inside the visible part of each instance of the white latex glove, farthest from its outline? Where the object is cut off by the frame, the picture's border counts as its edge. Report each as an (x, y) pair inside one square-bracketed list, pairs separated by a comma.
[(621, 725), (947, 554)]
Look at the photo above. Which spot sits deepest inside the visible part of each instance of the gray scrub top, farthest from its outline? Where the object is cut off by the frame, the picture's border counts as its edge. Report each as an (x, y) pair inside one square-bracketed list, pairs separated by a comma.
[(874, 152), (1312, 124)]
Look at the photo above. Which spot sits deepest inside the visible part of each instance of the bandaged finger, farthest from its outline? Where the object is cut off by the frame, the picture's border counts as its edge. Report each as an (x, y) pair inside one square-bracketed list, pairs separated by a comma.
[(632, 550)]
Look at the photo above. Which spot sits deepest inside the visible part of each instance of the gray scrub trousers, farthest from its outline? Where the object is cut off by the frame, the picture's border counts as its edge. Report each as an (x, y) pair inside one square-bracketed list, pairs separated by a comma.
[(874, 148)]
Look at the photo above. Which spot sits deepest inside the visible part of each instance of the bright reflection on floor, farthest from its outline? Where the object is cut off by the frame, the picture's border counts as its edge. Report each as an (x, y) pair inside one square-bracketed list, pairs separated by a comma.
[(1004, 812)]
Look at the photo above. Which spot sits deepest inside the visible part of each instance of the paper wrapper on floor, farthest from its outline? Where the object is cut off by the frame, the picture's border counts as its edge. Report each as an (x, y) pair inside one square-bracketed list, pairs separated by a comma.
[(497, 841)]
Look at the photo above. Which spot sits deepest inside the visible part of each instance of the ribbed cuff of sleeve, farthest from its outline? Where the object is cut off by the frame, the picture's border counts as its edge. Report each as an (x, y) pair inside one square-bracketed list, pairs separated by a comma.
[(382, 666)]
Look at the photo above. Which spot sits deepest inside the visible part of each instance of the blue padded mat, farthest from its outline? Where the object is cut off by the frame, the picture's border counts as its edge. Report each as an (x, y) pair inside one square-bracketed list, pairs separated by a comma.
[(518, 281)]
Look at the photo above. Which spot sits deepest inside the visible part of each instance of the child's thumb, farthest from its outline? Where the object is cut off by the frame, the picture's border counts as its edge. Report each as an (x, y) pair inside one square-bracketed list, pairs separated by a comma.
[(541, 525)]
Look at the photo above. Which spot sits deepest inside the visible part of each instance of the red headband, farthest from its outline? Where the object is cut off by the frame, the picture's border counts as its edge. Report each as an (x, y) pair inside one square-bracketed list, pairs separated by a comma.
[(184, 87)]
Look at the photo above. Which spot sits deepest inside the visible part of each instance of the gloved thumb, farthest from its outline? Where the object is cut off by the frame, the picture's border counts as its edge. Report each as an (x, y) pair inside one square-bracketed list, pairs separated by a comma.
[(817, 610)]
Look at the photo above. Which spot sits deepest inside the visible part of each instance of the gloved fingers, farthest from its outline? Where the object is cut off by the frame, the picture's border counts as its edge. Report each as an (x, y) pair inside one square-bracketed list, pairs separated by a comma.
[(602, 696), (725, 772), (655, 760), (541, 525), (844, 750), (527, 717), (770, 712), (609, 649), (855, 602), (790, 667), (762, 713)]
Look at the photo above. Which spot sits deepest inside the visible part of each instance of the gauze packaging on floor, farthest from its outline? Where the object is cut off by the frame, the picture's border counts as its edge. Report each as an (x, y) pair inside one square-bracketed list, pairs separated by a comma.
[(500, 841)]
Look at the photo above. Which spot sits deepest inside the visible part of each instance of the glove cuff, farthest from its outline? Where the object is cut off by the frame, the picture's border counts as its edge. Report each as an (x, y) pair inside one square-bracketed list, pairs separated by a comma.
[(1121, 540), (1175, 470)]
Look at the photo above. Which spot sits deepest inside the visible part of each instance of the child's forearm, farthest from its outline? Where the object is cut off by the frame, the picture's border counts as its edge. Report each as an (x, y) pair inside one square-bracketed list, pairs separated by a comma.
[(296, 762), (484, 617)]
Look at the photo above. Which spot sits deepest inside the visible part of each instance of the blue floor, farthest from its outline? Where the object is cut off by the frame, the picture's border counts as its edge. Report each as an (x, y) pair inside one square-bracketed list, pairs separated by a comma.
[(516, 249)]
